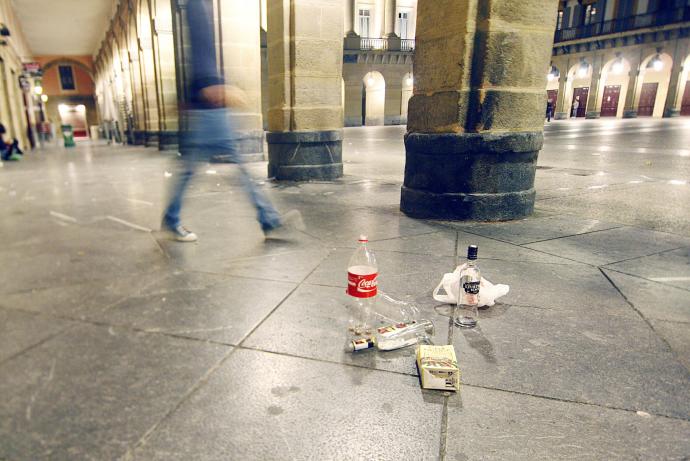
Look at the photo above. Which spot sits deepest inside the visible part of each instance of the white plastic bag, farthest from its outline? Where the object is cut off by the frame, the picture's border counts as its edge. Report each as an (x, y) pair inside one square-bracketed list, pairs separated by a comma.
[(488, 292)]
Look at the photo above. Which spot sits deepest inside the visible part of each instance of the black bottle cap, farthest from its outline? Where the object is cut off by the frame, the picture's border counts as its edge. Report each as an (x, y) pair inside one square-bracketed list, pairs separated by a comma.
[(472, 252)]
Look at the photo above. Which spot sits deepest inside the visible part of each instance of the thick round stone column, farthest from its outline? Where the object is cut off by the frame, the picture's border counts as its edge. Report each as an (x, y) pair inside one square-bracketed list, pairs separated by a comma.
[(167, 83), (391, 8), (305, 54), (148, 71), (475, 122)]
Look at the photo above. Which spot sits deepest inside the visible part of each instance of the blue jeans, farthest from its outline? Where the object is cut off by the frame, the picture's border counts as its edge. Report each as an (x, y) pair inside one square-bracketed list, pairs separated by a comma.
[(205, 133)]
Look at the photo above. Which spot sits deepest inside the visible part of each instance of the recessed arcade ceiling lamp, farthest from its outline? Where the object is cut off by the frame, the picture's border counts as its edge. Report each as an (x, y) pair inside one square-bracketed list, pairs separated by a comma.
[(656, 63)]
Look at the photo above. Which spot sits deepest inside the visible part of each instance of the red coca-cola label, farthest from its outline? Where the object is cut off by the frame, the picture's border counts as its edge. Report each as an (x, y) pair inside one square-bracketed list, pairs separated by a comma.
[(362, 286)]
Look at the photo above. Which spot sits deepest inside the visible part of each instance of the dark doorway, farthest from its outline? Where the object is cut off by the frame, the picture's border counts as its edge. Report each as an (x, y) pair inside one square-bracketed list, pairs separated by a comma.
[(580, 95), (553, 96), (685, 103), (609, 104), (364, 105), (647, 99)]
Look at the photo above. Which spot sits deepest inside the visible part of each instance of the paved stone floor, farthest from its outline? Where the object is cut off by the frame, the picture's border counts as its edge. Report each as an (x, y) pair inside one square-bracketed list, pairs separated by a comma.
[(115, 344)]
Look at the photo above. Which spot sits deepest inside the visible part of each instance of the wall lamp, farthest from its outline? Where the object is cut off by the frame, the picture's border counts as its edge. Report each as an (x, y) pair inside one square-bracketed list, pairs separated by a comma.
[(583, 69)]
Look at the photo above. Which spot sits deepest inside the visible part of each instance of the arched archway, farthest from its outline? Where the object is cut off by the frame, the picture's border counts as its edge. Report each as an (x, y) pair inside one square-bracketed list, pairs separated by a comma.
[(68, 61), (615, 77), (655, 74), (407, 87), (553, 80), (374, 99), (577, 90)]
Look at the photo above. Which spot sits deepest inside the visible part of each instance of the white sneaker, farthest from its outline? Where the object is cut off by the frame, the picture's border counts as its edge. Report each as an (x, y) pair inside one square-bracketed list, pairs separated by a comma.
[(291, 223), (179, 233)]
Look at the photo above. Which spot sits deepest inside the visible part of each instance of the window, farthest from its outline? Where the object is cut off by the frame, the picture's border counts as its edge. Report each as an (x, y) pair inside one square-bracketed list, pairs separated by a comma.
[(67, 78), (403, 25), (364, 21), (590, 13), (559, 20)]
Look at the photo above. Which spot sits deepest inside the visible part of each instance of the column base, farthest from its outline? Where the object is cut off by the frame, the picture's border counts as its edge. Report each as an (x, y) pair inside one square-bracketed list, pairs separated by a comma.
[(168, 140), (481, 177), (139, 137), (152, 138), (560, 115), (305, 155), (353, 42), (670, 113), (629, 114), (250, 148), (593, 114)]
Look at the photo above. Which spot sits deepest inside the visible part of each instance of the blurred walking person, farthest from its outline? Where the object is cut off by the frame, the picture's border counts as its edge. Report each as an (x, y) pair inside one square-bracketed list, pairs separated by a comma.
[(207, 130)]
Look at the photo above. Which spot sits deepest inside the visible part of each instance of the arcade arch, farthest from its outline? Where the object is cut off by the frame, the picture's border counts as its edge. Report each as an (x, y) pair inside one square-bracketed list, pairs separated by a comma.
[(373, 99), (655, 74)]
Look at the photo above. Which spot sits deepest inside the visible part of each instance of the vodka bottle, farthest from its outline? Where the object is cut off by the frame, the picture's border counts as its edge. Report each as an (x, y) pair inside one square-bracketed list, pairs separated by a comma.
[(466, 312), (393, 337), (362, 273)]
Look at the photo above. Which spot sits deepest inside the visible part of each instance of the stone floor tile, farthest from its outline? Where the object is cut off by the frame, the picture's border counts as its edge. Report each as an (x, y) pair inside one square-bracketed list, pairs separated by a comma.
[(225, 309), (669, 268), (267, 406), (493, 425), (313, 323), (539, 228), (611, 361), (653, 299), (610, 246), (93, 391), (20, 330), (677, 335)]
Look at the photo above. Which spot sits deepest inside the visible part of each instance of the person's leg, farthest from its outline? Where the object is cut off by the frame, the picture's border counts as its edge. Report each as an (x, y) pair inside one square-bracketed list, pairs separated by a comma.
[(15, 146), (267, 215), (171, 218)]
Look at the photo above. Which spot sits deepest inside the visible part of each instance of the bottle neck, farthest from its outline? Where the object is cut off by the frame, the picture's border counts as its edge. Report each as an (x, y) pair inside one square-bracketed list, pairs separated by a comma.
[(471, 263)]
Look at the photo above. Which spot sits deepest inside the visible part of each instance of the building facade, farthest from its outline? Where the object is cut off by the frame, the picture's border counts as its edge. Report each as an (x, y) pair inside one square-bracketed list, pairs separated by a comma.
[(621, 58)]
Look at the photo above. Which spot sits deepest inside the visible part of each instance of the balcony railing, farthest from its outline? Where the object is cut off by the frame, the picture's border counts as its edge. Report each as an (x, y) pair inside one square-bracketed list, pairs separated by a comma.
[(640, 21), (373, 44), (407, 44)]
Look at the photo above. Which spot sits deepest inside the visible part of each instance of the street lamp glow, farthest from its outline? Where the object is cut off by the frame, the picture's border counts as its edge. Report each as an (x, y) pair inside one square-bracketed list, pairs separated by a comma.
[(62, 108), (44, 97), (582, 71), (409, 81), (550, 76), (658, 65), (38, 89), (617, 67), (370, 81)]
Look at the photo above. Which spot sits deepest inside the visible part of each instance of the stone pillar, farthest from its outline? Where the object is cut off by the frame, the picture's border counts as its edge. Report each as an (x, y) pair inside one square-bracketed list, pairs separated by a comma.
[(305, 55), (630, 110), (138, 97), (391, 9), (593, 109), (352, 40), (240, 52), (675, 85), (562, 106), (167, 83), (148, 71), (475, 124)]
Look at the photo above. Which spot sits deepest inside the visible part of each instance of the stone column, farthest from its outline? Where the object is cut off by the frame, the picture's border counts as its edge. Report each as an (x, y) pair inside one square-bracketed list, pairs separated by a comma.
[(475, 124), (352, 40), (394, 42), (167, 83), (630, 110), (148, 70), (593, 109), (305, 55), (675, 85), (138, 97), (240, 52), (562, 106)]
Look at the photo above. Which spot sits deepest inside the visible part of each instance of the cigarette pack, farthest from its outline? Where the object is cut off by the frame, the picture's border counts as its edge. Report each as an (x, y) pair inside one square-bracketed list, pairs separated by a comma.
[(438, 367)]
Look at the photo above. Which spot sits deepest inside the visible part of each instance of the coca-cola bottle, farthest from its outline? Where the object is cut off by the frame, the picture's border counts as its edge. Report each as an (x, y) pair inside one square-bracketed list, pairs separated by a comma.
[(362, 272)]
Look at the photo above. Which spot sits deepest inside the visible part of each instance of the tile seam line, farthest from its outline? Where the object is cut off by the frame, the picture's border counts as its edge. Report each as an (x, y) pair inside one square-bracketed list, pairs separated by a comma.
[(643, 256), (294, 289), (226, 274), (618, 226), (649, 324), (575, 402), (33, 346), (128, 455), (600, 190)]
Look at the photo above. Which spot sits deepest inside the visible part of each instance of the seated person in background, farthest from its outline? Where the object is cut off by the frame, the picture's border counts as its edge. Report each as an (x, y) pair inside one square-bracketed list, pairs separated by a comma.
[(9, 150)]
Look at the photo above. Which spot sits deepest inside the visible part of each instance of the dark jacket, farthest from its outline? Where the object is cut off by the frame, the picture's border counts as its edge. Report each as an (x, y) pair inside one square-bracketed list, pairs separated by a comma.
[(204, 72)]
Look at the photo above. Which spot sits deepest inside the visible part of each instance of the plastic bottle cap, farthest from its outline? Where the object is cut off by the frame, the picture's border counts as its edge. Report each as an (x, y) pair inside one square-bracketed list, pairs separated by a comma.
[(472, 251), (363, 239)]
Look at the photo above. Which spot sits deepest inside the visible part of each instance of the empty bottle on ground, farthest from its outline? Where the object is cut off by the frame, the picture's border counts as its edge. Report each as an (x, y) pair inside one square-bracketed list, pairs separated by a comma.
[(362, 273), (466, 311)]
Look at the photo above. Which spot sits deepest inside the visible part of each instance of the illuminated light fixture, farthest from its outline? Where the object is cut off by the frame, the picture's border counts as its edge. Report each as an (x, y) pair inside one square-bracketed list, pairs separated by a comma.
[(81, 108), (550, 76), (370, 81), (656, 63), (38, 89), (44, 97), (409, 81), (553, 73), (63, 109), (618, 66), (583, 69)]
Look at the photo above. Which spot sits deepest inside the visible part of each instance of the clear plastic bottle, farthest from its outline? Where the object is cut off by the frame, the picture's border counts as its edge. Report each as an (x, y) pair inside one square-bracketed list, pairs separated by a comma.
[(362, 273), (466, 311), (393, 337)]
